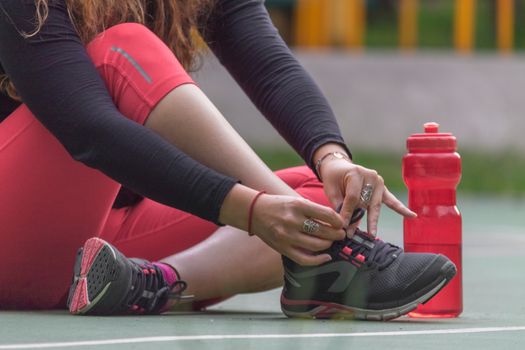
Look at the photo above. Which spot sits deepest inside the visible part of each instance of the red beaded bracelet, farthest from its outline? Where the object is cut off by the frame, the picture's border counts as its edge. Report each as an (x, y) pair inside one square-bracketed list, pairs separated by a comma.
[(250, 212)]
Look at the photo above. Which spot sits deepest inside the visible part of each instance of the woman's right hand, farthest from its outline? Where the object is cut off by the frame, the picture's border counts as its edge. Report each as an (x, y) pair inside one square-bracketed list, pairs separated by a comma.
[(278, 221)]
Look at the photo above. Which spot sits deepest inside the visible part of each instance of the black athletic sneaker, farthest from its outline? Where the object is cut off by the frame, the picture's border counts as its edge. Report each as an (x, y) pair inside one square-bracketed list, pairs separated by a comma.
[(367, 279), (105, 282)]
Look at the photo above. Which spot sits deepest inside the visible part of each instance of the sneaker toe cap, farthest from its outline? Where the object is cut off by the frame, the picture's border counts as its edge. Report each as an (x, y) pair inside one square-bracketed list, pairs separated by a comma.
[(438, 268)]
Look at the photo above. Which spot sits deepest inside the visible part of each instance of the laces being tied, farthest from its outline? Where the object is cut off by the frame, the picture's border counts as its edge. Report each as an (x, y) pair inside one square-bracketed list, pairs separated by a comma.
[(150, 292), (369, 250)]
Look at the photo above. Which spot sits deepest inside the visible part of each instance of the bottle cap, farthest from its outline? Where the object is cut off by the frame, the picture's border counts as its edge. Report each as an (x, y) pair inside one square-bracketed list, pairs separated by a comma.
[(432, 140)]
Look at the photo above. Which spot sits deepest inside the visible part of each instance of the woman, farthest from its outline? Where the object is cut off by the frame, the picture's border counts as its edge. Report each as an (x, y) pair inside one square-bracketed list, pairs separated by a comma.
[(113, 105)]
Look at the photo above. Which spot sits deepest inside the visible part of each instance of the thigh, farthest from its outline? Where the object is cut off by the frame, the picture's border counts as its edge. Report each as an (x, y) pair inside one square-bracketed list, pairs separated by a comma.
[(49, 204), (303, 180)]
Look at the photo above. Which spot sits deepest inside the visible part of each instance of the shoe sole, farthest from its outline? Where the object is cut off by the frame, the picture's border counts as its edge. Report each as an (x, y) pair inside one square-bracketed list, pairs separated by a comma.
[(93, 276), (323, 310)]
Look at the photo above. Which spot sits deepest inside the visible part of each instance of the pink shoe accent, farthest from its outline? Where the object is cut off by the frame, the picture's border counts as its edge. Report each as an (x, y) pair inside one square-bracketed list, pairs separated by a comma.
[(170, 276), (168, 272), (91, 249), (80, 298), (347, 250)]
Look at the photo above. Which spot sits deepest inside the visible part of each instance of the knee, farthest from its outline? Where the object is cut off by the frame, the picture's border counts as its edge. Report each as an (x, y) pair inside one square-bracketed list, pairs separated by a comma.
[(129, 46), (298, 176), (123, 36), (136, 66), (128, 30)]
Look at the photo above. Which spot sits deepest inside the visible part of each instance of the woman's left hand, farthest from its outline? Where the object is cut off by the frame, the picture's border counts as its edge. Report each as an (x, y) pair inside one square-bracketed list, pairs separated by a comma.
[(358, 187)]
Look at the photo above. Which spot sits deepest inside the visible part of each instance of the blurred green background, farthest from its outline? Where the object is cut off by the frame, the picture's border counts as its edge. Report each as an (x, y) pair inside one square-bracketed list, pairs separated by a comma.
[(435, 23), (498, 171)]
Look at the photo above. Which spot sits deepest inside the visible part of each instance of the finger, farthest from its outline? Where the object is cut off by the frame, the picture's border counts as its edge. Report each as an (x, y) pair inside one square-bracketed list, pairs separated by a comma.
[(352, 197), (396, 205), (329, 233), (322, 213), (350, 231), (310, 242), (334, 196), (356, 215), (374, 208), (306, 259)]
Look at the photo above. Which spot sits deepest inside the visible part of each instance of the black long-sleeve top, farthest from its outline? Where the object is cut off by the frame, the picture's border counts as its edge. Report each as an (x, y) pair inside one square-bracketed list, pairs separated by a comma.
[(56, 79)]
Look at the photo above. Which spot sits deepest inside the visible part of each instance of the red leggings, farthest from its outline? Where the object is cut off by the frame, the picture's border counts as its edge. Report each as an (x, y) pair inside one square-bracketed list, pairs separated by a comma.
[(50, 204)]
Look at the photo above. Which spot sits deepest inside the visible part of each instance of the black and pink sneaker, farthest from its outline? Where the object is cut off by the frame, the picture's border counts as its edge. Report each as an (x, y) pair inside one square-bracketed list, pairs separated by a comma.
[(367, 279), (105, 282)]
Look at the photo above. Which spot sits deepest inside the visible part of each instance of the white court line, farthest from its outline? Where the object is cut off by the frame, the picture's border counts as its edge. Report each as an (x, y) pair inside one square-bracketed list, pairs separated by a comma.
[(256, 336)]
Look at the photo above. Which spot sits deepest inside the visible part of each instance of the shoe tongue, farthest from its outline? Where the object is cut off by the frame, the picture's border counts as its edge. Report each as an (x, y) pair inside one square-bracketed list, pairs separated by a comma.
[(168, 272), (151, 290)]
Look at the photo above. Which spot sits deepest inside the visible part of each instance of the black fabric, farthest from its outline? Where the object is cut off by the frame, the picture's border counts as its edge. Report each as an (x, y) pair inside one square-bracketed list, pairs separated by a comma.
[(407, 277), (242, 36), (376, 251), (58, 82), (7, 105), (56, 79)]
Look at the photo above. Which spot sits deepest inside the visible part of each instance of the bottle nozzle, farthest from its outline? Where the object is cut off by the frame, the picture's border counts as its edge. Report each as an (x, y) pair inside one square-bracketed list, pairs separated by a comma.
[(431, 127)]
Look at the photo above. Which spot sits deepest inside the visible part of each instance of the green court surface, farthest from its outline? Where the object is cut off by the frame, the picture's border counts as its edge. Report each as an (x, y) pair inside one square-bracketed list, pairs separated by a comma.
[(493, 318)]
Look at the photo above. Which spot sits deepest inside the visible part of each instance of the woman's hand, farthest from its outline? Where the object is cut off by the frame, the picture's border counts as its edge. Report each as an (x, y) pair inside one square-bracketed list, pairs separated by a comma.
[(279, 220), (347, 183)]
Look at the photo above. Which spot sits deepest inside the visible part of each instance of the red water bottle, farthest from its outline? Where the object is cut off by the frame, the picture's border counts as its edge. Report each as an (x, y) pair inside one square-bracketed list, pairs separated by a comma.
[(432, 170)]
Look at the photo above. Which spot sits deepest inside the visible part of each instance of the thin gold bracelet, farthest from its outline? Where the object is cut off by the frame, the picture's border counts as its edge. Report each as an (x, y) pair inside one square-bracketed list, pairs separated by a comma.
[(337, 154)]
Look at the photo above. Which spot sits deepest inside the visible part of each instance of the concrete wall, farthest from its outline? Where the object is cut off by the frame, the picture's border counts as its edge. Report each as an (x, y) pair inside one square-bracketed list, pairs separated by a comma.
[(381, 98)]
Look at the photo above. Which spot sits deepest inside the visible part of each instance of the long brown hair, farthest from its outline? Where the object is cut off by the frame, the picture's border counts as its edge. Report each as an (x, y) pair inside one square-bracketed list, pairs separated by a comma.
[(173, 21)]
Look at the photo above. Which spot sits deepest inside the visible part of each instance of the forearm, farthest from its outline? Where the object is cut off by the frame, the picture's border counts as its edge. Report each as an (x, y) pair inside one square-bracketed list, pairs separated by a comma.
[(234, 210), (59, 83), (189, 120), (243, 38)]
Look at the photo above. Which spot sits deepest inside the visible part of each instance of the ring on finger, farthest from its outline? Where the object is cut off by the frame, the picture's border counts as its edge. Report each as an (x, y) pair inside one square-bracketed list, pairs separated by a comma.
[(310, 226), (366, 193)]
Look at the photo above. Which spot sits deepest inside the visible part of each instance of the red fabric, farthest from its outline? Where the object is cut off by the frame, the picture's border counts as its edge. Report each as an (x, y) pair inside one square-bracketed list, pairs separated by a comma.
[(138, 69), (50, 204)]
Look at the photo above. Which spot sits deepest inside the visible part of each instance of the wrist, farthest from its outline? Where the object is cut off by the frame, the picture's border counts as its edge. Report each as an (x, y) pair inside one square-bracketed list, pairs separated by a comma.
[(235, 206), (327, 154), (328, 148)]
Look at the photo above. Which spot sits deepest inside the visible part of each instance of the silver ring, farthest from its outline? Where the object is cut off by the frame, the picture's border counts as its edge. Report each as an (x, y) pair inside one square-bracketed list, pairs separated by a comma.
[(310, 226), (366, 193)]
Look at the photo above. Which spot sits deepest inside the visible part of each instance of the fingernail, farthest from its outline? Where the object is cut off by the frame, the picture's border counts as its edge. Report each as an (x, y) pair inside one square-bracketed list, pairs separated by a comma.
[(328, 258)]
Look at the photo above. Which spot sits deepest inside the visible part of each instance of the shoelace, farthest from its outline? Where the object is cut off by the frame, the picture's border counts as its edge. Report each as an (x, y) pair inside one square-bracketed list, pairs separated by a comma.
[(150, 292), (373, 251)]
